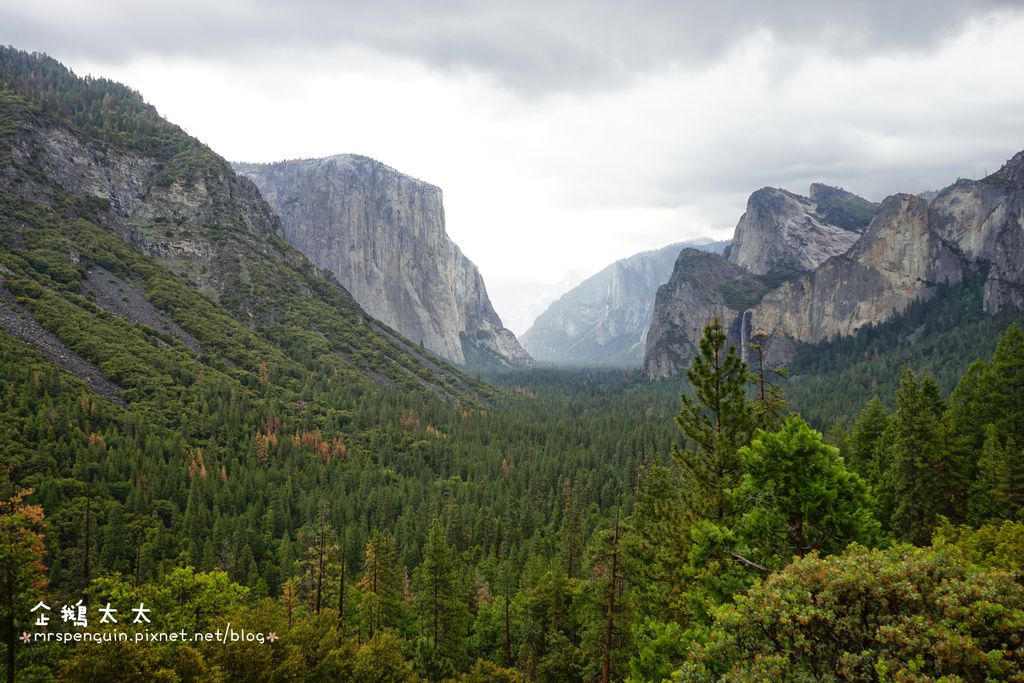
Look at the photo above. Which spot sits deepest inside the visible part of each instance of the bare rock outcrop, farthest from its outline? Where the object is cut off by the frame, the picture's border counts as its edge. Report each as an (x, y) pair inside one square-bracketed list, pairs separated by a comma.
[(604, 320), (899, 258), (783, 231), (382, 234), (702, 286), (849, 279), (985, 220)]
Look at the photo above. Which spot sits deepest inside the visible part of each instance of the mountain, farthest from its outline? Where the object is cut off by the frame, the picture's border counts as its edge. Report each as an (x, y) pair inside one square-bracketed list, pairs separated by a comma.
[(603, 321), (382, 234), (911, 248), (133, 254), (899, 258), (785, 232), (702, 286)]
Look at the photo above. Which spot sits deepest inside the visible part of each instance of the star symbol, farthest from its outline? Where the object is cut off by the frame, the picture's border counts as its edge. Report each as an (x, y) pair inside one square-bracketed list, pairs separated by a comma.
[(26, 637), (272, 637)]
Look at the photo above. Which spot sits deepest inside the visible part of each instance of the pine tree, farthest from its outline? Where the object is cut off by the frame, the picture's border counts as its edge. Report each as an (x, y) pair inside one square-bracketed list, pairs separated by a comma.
[(800, 496), (443, 614), (990, 499), (1006, 411), (1005, 385), (655, 542), (864, 439), (717, 421), (22, 573), (924, 478), (322, 547), (614, 588), (968, 412), (986, 420), (1014, 479), (381, 585), (570, 529), (290, 600), (769, 401)]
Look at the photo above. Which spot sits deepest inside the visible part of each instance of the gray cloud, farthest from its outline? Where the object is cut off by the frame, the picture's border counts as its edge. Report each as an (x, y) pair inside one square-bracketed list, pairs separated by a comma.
[(531, 46), (615, 126)]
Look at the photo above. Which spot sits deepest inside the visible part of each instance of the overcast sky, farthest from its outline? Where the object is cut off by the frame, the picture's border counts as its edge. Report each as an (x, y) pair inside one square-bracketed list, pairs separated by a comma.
[(567, 135)]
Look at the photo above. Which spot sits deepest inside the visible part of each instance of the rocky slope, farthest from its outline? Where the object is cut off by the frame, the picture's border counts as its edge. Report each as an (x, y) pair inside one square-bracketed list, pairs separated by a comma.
[(84, 160), (382, 234), (200, 225), (899, 258), (702, 286), (911, 246), (604, 320), (785, 232), (984, 219)]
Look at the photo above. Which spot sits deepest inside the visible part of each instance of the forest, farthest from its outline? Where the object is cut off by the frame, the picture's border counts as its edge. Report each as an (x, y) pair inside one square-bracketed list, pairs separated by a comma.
[(281, 470), (550, 539)]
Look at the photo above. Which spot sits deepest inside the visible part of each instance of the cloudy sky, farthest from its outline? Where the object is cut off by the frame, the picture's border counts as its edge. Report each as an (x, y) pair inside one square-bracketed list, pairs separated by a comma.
[(569, 134)]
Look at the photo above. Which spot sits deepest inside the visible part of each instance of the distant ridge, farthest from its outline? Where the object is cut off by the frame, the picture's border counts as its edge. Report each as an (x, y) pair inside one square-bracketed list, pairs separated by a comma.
[(603, 321)]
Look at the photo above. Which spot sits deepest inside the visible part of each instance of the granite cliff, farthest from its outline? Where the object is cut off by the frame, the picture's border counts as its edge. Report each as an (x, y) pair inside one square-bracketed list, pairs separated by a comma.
[(984, 219), (604, 320), (702, 286), (899, 258), (911, 246), (382, 234), (785, 232)]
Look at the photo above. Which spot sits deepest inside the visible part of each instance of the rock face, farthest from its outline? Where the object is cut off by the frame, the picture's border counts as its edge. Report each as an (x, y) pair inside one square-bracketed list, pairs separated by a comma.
[(200, 223), (911, 246), (702, 286), (186, 211), (785, 232), (899, 258), (603, 321), (382, 234), (985, 220)]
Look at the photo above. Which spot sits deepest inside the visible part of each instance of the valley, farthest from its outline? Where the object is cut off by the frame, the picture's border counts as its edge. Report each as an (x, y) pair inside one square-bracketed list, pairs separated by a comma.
[(277, 396)]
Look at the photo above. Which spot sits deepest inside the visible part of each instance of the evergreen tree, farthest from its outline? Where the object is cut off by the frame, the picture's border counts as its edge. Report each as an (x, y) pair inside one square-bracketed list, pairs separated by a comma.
[(991, 496), (924, 478), (769, 401), (381, 585), (322, 547), (717, 421), (867, 431), (968, 412), (613, 631), (1004, 388), (1006, 411), (655, 544), (800, 497), (290, 600), (438, 600), (22, 573)]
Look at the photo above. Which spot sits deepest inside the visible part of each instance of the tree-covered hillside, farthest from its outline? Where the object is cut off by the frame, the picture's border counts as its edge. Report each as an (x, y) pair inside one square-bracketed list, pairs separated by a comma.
[(201, 429)]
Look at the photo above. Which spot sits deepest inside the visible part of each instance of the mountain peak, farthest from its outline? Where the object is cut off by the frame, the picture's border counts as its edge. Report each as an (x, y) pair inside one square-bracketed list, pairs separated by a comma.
[(603, 321), (167, 237), (1012, 172), (841, 208), (784, 231), (382, 234)]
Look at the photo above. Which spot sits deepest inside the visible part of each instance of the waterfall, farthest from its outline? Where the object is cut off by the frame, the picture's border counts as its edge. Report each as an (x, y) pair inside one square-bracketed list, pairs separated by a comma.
[(746, 328)]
